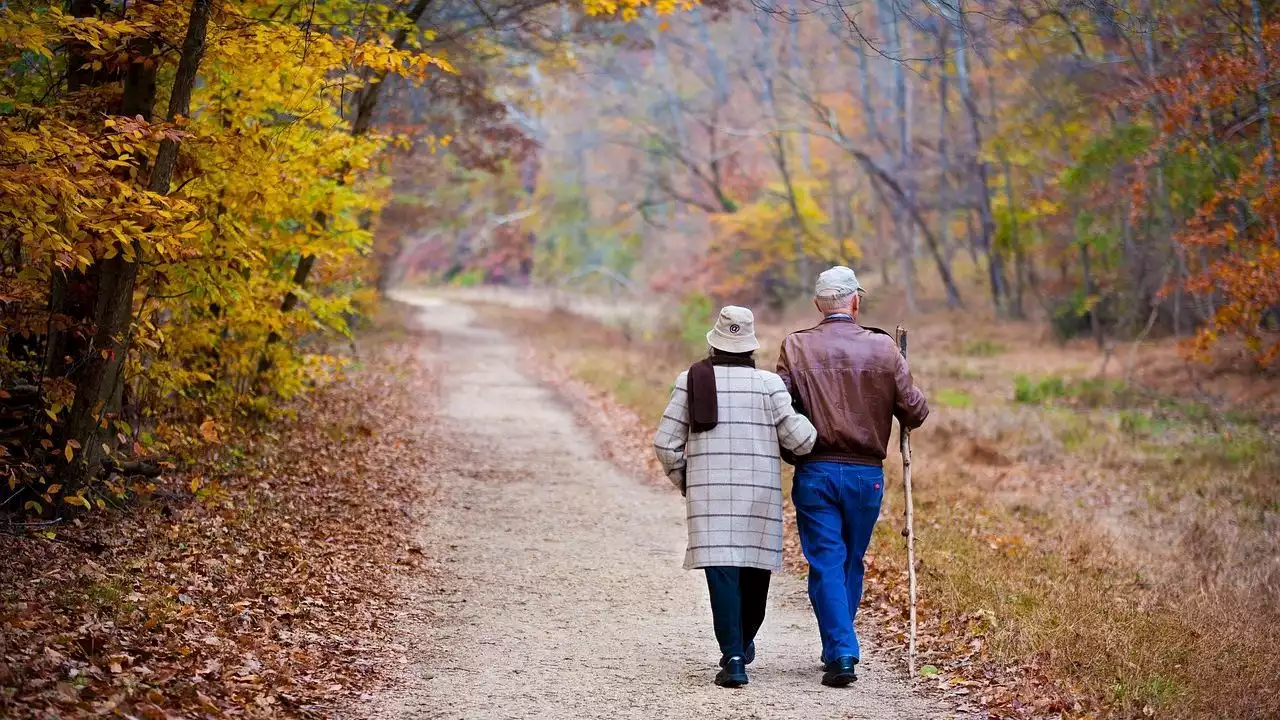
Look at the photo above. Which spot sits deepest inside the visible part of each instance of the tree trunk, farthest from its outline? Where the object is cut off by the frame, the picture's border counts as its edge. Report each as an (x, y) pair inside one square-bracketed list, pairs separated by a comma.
[(1264, 108), (97, 377), (944, 159), (882, 180), (1015, 240), (890, 28), (367, 98), (1264, 100), (1095, 323), (798, 77), (767, 67), (140, 81), (71, 291), (972, 234), (365, 104), (1012, 305), (80, 72), (995, 269), (719, 101)]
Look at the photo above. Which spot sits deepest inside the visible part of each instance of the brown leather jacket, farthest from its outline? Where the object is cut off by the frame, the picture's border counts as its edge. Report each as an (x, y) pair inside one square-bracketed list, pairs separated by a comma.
[(850, 381)]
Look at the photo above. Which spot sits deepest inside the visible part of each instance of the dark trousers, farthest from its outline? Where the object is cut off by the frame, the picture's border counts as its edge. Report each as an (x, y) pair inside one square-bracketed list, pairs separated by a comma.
[(738, 597)]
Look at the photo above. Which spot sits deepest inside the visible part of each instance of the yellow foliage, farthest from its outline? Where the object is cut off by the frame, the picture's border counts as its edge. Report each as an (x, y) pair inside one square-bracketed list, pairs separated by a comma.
[(757, 252), (269, 171), (629, 10)]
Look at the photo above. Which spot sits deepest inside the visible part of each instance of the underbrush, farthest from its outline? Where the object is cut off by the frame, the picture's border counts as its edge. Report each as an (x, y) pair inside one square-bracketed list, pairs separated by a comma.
[(1046, 602), (1030, 607), (981, 347), (253, 583), (1178, 447), (948, 397)]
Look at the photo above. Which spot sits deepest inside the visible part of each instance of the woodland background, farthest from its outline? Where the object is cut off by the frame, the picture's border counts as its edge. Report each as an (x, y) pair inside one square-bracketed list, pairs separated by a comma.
[(201, 203), (1105, 167)]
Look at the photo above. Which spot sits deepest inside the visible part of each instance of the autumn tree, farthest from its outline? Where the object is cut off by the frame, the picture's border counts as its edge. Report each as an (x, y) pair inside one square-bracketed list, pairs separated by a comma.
[(140, 268)]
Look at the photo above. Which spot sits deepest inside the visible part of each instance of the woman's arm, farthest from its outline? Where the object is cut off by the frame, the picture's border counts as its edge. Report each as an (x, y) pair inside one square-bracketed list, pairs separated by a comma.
[(673, 433), (795, 432)]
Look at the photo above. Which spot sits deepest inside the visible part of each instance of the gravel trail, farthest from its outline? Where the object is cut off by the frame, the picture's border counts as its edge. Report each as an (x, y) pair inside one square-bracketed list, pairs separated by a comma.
[(556, 588)]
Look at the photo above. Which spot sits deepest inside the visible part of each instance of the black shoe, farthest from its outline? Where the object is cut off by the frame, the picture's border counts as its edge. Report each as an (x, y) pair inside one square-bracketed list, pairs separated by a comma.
[(733, 674), (839, 672), (748, 657)]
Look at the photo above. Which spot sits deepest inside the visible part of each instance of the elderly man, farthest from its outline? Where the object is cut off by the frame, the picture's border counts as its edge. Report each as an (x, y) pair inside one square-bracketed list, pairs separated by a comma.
[(850, 381)]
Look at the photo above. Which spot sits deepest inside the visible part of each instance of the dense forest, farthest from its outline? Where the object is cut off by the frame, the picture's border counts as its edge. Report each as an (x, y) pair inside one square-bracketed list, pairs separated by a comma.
[(193, 194), (189, 203), (1109, 167)]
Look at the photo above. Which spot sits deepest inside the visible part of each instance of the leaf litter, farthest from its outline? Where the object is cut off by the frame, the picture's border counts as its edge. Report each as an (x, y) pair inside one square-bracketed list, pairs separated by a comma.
[(269, 596)]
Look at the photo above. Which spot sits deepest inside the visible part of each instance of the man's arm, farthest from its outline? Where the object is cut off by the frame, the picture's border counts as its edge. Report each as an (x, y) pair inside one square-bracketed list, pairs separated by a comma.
[(788, 379), (788, 382), (910, 406), (673, 433), (784, 367)]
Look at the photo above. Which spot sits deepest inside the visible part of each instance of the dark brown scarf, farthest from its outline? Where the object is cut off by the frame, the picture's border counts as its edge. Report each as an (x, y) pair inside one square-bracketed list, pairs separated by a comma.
[(703, 409)]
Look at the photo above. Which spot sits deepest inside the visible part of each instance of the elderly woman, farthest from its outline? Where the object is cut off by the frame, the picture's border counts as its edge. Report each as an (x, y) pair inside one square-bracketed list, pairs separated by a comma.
[(718, 442)]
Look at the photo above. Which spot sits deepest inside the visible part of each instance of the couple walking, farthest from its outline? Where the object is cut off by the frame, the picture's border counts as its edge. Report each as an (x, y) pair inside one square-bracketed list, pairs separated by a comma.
[(828, 410)]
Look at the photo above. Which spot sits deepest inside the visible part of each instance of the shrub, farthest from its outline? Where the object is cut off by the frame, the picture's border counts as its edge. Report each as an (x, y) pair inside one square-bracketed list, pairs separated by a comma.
[(1090, 392), (947, 397), (981, 348), (695, 318), (468, 278), (1032, 392)]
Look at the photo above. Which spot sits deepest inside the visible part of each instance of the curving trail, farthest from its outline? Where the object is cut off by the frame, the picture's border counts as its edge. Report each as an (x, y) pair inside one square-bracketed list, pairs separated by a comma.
[(561, 593)]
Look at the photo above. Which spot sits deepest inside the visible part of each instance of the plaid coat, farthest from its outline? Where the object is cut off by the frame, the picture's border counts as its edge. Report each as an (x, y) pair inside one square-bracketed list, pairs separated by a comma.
[(732, 474)]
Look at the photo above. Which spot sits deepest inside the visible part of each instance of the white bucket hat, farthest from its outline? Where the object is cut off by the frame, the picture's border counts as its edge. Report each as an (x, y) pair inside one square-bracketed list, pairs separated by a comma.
[(734, 331), (835, 282)]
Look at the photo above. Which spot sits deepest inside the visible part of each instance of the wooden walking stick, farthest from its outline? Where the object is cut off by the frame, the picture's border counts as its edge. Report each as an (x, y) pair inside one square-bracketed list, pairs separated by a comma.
[(904, 438)]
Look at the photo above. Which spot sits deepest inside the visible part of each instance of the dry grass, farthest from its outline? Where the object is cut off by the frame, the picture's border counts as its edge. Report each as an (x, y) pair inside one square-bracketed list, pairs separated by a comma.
[(1128, 544), (1052, 594), (1089, 551)]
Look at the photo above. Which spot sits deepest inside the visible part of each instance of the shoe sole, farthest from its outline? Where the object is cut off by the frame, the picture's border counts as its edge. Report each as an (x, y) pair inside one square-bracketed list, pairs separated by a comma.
[(732, 683)]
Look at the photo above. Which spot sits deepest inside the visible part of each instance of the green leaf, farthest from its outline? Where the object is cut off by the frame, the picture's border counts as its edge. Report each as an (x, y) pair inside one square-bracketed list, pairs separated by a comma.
[(929, 671)]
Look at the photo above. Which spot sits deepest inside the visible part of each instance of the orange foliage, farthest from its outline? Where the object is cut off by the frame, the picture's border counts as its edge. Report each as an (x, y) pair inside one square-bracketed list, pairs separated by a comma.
[(1231, 246)]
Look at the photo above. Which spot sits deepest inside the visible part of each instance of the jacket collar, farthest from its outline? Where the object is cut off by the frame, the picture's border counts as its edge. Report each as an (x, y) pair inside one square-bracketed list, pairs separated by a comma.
[(838, 317)]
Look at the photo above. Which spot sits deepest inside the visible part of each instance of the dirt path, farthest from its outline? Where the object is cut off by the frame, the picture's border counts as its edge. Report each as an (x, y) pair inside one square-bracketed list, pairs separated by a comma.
[(562, 593)]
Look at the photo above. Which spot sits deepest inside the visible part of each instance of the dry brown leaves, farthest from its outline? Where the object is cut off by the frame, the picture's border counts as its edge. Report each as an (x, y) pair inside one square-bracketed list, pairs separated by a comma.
[(254, 585), (956, 647)]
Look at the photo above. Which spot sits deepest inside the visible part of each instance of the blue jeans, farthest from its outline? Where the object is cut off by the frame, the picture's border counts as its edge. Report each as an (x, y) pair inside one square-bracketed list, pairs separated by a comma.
[(837, 505)]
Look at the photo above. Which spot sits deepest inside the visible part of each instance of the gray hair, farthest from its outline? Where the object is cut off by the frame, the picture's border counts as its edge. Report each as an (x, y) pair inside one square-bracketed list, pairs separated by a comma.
[(835, 303)]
